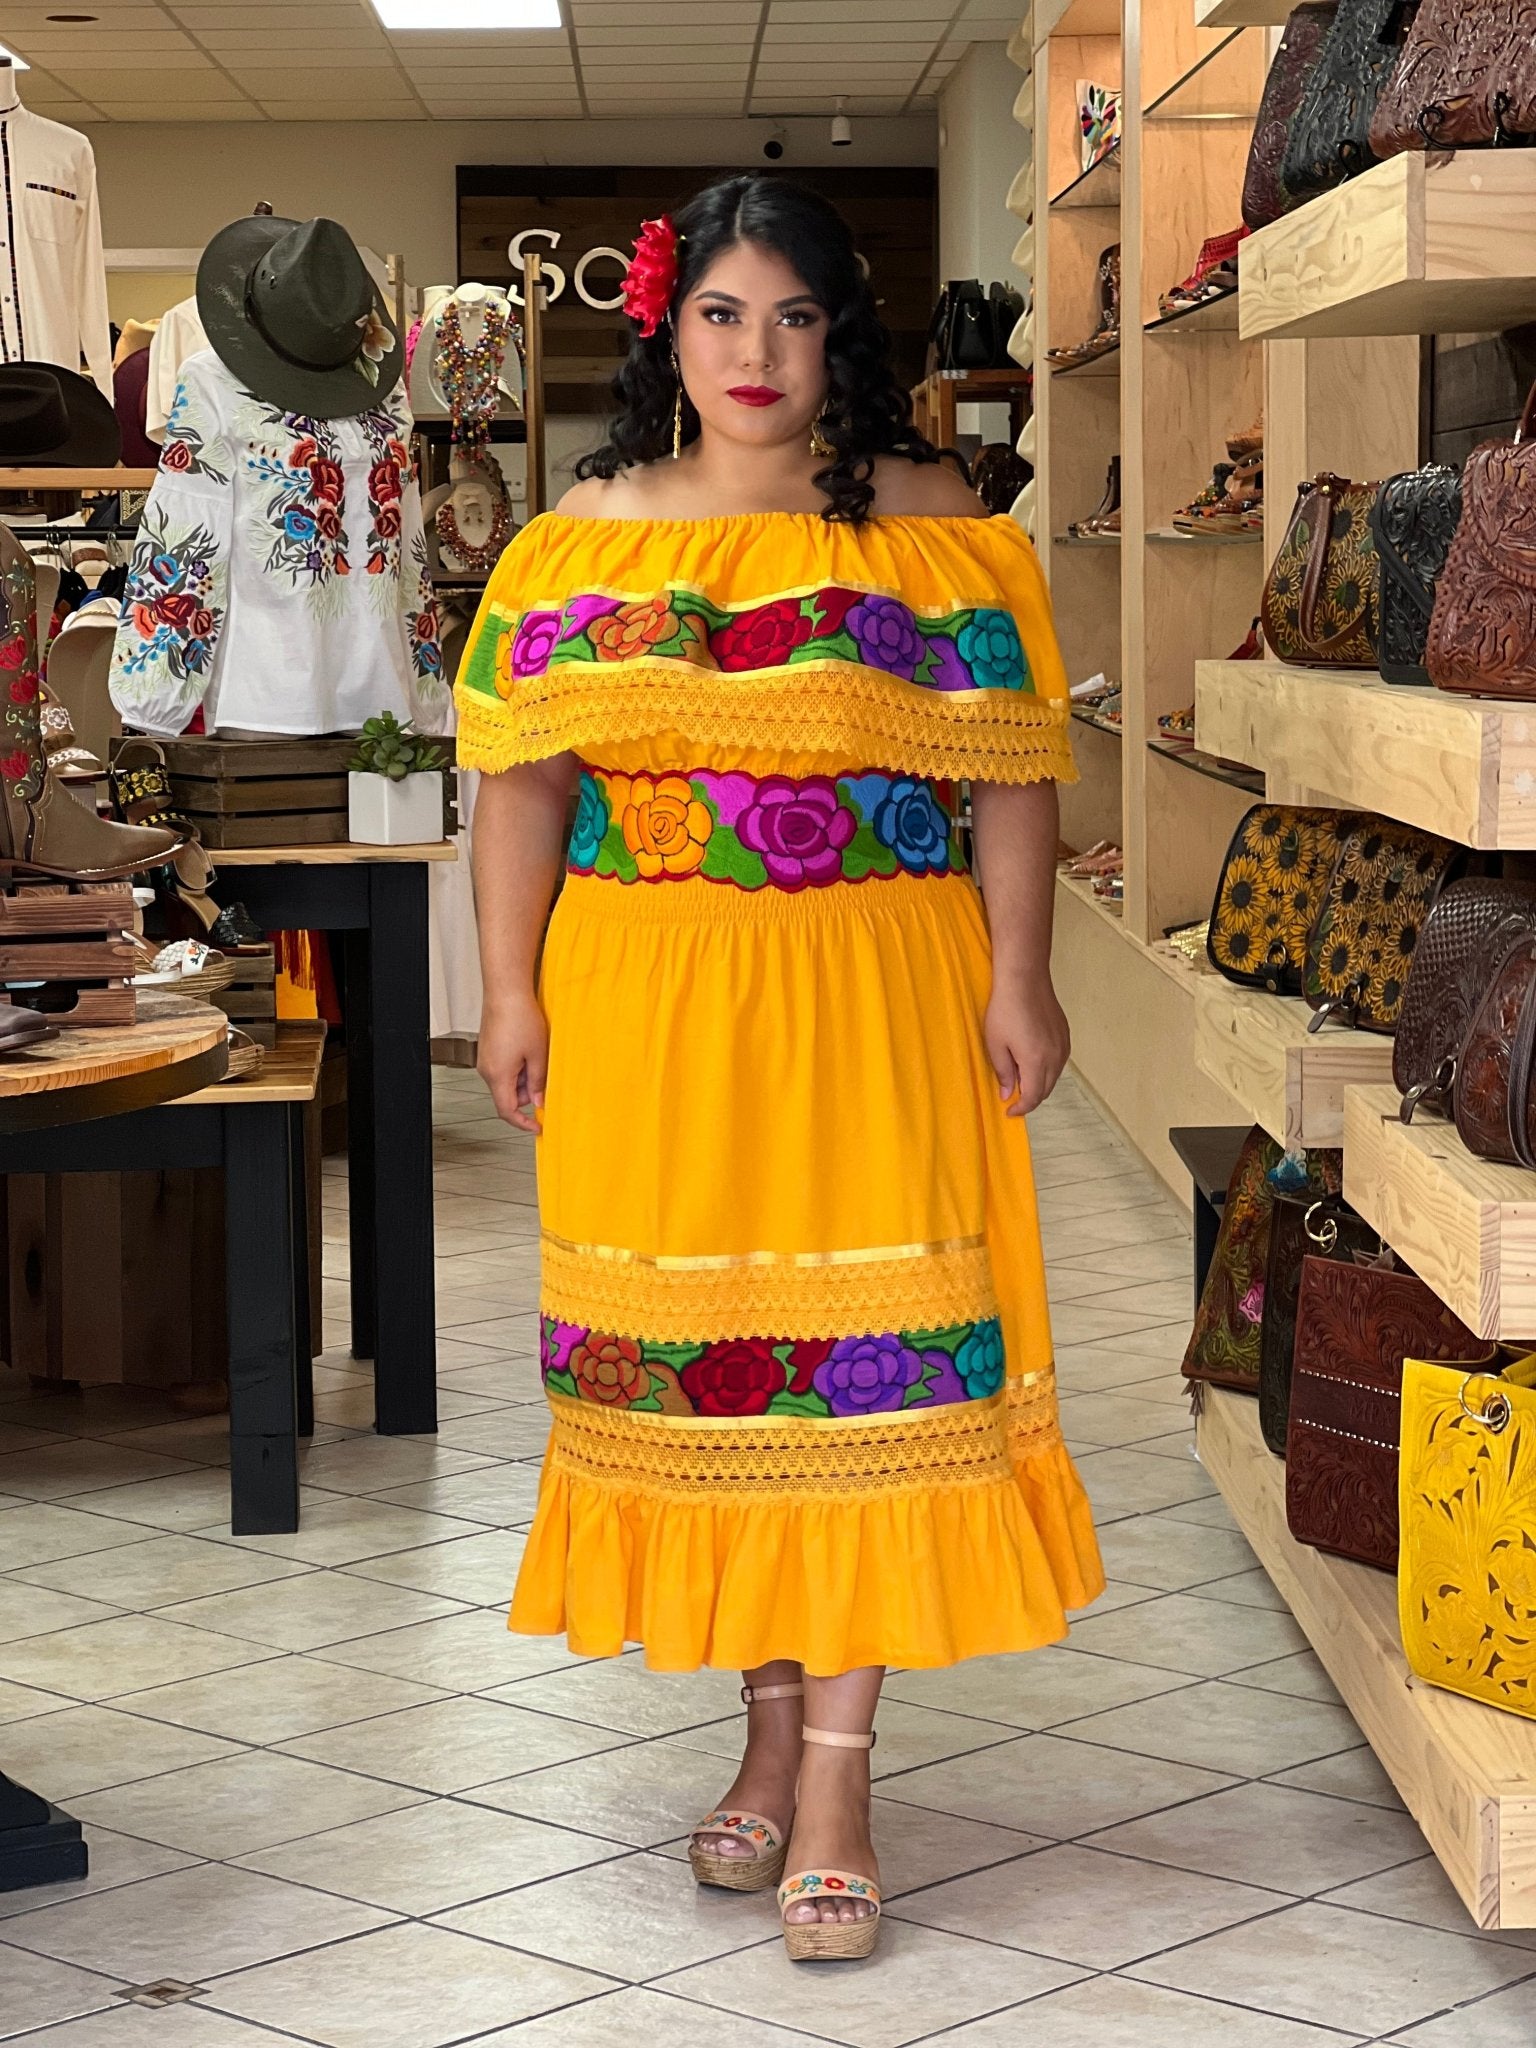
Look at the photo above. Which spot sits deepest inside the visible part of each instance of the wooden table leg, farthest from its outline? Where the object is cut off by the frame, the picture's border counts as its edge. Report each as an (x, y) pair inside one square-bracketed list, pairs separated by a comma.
[(405, 1339), (259, 1232)]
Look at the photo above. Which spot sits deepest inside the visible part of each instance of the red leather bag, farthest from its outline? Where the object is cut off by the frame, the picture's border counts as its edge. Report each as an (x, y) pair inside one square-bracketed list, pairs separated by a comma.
[(1482, 632)]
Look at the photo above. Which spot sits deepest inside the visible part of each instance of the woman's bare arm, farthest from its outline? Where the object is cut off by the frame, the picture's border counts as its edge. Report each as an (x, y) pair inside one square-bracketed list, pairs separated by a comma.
[(519, 838), (1026, 1030)]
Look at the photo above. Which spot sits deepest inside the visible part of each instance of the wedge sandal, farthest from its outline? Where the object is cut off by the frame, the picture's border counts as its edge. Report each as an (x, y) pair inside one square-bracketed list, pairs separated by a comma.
[(765, 1866), (830, 1940)]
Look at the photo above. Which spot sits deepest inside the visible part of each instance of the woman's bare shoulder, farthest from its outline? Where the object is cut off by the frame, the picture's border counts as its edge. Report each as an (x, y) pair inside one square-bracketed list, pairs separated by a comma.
[(922, 490), (632, 494)]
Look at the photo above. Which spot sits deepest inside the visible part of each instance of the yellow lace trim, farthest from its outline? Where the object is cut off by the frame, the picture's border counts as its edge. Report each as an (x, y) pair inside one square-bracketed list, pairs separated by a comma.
[(836, 708), (802, 1294), (968, 1443)]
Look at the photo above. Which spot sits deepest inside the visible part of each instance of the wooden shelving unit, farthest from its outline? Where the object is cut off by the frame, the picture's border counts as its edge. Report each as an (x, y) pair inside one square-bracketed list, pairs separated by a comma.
[(1242, 13), (1419, 244), (1464, 1772), (1257, 1047), (1461, 766)]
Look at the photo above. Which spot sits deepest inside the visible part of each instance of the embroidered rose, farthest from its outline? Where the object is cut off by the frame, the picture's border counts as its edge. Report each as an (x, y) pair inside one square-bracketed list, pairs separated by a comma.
[(177, 457), (913, 825), (299, 525), (202, 622), (834, 605), (24, 689), (386, 521), (634, 628), (384, 477), (990, 646), (886, 634), (804, 1358), (979, 1361), (13, 648), (868, 1375), (325, 479), (591, 823), (533, 643), (739, 1377), (328, 522), (17, 766), (610, 1370), (799, 828), (665, 826), (176, 608), (762, 638)]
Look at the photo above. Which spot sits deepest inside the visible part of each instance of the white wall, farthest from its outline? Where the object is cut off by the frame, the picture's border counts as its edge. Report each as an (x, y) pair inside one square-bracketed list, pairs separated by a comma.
[(172, 184), (981, 146)]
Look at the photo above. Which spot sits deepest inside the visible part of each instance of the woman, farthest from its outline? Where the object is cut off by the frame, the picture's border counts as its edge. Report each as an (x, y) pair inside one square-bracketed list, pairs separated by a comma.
[(794, 1327)]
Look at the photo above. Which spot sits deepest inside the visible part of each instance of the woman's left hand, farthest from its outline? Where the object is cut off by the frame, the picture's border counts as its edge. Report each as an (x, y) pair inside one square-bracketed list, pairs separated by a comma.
[(1028, 1043)]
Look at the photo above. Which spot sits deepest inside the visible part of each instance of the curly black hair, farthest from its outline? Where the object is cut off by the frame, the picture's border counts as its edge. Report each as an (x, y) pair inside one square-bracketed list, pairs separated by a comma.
[(867, 412)]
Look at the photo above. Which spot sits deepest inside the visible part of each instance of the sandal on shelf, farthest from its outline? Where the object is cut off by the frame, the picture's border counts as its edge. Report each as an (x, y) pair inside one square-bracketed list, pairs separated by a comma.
[(829, 1940), (1195, 516), (1107, 508), (765, 1866), (1241, 508), (1214, 274)]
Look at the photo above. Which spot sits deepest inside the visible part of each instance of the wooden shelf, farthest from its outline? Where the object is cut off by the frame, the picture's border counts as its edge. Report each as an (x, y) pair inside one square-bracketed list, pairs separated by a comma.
[(1461, 766), (116, 479), (1241, 13), (1116, 732), (1218, 86), (1216, 315), (1466, 1226), (1099, 185), (1256, 1046), (1466, 1772), (289, 1073), (1217, 538), (1085, 540), (1209, 765), (336, 853), (1105, 364), (1415, 245)]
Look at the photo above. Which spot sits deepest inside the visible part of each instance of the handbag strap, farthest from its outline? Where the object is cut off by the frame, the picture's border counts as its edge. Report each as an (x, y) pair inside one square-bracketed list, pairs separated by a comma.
[(1324, 487)]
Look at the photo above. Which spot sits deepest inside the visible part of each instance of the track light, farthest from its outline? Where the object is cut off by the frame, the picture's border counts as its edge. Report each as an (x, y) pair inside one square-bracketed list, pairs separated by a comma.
[(842, 128)]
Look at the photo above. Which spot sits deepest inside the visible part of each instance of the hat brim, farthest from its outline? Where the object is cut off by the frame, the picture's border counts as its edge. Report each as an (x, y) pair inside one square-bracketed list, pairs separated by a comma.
[(222, 277), (94, 439)]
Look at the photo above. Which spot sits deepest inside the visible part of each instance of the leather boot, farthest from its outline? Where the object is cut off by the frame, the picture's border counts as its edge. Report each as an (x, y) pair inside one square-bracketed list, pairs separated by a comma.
[(44, 828)]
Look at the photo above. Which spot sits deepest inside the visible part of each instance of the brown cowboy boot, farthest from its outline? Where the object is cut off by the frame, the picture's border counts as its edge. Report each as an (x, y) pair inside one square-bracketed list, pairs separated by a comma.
[(44, 828)]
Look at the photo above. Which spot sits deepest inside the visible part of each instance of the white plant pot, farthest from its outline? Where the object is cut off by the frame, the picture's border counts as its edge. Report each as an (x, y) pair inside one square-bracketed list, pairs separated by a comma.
[(385, 813)]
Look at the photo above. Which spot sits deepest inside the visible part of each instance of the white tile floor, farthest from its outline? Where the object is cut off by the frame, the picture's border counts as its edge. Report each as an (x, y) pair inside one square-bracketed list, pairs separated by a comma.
[(324, 1786)]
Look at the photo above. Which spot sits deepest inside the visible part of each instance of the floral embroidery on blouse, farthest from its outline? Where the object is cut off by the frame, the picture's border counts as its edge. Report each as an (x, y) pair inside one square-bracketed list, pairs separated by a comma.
[(866, 1375), (194, 446), (21, 752), (388, 475), (976, 648), (303, 505), (173, 601), (762, 831)]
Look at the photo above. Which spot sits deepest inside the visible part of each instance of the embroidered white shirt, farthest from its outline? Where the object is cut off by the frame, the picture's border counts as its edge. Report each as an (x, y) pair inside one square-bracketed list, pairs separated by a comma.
[(280, 576), (53, 275)]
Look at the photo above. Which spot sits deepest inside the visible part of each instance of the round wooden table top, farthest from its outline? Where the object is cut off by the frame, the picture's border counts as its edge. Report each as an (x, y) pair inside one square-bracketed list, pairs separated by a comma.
[(170, 1029)]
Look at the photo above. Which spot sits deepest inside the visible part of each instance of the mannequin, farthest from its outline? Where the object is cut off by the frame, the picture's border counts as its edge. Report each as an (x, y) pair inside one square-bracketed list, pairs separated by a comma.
[(478, 522), (10, 95), (471, 303)]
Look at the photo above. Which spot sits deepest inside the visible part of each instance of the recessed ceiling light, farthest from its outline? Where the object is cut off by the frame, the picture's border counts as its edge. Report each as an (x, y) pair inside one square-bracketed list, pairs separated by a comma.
[(446, 15), (16, 63)]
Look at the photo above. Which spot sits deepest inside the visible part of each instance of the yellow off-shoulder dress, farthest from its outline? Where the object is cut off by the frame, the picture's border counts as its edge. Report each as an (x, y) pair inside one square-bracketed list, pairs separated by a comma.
[(793, 1320)]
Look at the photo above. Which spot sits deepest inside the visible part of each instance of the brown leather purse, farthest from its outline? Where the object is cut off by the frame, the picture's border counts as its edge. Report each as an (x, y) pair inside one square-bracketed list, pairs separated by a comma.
[(1322, 593), (1355, 1326), (1470, 928), (1264, 195), (1466, 75), (1482, 632), (1301, 1227), (1492, 1096)]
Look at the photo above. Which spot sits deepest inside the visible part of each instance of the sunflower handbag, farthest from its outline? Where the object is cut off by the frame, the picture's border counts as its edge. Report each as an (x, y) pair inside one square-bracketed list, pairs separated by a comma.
[(1269, 892), (1359, 951), (1467, 1504), (1322, 596)]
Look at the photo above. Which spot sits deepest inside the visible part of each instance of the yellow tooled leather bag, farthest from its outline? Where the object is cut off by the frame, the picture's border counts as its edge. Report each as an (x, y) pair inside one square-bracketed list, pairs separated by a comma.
[(1467, 1505)]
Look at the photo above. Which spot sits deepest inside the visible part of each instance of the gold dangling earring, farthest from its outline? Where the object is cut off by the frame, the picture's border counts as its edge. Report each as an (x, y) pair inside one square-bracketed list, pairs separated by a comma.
[(820, 445), (677, 409)]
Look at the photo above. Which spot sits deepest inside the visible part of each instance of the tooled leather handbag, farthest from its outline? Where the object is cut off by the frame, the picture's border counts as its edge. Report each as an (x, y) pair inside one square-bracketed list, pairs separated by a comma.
[(1466, 75), (1413, 522), (1268, 894), (1224, 1345), (1300, 1227), (1329, 139), (1470, 928), (1323, 590), (1482, 633), (1492, 1097), (1361, 946), (1355, 1327), (1264, 195)]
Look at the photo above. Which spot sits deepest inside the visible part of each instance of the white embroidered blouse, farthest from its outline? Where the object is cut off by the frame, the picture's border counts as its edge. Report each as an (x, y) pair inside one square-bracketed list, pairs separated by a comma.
[(280, 576)]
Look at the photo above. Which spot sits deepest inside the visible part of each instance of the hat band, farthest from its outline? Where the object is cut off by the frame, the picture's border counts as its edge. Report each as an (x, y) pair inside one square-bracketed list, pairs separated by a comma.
[(253, 314)]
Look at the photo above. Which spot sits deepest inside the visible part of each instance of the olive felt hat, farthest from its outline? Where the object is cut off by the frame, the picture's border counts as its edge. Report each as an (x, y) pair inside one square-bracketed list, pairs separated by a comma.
[(288, 306)]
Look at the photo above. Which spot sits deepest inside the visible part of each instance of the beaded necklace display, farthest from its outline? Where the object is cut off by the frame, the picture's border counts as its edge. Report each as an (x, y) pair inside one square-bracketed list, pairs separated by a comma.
[(451, 541), (470, 375)]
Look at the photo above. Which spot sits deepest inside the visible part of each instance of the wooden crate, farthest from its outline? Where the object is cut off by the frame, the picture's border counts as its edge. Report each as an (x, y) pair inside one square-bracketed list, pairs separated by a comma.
[(250, 1000), (69, 936)]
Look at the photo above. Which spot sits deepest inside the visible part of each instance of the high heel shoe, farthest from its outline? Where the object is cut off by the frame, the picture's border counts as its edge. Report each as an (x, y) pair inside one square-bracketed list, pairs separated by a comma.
[(765, 1866), (824, 1940)]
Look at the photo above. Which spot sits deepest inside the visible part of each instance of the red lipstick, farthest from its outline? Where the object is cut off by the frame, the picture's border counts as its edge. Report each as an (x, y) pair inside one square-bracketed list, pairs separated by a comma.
[(755, 394)]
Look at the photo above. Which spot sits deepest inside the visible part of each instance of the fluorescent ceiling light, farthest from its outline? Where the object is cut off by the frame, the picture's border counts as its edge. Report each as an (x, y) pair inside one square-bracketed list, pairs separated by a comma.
[(17, 63), (451, 14)]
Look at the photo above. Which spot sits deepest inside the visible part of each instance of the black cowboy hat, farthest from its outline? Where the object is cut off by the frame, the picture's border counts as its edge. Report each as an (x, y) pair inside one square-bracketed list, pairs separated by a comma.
[(51, 418), (289, 307)]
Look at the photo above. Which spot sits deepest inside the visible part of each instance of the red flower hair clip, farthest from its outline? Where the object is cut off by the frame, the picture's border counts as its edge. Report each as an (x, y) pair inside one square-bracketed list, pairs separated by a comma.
[(652, 275)]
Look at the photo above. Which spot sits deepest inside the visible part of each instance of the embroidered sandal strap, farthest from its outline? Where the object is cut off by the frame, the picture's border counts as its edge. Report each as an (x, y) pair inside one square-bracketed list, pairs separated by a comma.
[(827, 1884), (749, 1693), (751, 1827), (833, 1738)]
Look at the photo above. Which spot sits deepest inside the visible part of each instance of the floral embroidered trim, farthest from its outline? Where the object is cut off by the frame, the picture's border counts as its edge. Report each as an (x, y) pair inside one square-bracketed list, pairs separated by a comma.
[(671, 1457), (918, 1287), (816, 1376), (750, 1826), (808, 1882), (836, 709), (173, 601), (974, 648), (304, 505), (757, 831)]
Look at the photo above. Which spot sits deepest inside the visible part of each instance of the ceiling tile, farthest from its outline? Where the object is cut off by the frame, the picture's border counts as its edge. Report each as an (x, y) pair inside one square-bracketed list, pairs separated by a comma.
[(933, 11), (179, 110), (325, 64), (622, 35), (261, 81), (809, 58), (342, 110), (69, 46), (496, 110), (277, 20), (229, 42)]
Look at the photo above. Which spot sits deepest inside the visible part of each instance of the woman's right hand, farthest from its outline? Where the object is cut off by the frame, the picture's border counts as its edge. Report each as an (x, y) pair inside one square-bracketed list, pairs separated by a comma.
[(513, 1059)]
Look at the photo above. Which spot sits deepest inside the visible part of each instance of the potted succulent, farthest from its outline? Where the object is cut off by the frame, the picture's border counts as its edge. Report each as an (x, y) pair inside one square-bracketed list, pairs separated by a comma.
[(395, 785)]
